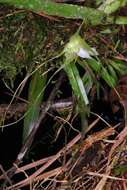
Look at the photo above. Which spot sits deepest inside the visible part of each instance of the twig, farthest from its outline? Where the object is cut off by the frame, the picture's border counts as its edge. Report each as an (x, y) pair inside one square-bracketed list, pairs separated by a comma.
[(107, 176), (19, 108), (30, 138), (87, 144)]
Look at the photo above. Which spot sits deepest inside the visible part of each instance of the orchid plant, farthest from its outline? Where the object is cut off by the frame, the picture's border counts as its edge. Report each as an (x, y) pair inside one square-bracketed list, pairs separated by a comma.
[(77, 50), (74, 49)]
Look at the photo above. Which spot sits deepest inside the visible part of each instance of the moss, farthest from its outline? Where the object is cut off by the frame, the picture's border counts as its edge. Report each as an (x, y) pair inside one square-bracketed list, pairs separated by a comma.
[(27, 39), (20, 41)]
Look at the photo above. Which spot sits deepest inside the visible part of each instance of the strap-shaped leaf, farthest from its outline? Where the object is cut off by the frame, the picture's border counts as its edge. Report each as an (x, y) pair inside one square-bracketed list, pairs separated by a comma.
[(90, 15), (110, 6), (35, 97), (76, 82), (79, 91), (48, 7)]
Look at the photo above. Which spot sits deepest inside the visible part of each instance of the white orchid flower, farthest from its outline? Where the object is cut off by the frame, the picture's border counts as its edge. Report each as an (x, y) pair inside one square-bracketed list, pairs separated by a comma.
[(78, 47)]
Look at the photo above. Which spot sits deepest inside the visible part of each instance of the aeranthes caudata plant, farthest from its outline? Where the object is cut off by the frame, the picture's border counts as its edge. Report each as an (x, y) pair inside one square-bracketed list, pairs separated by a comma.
[(75, 48), (78, 51)]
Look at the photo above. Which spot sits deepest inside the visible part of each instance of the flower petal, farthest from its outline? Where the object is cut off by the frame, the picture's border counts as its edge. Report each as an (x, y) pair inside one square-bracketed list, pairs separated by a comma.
[(83, 53)]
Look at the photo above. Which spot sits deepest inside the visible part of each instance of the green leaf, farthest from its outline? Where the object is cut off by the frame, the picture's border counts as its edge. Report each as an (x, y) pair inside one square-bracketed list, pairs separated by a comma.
[(94, 64), (108, 78), (89, 15), (76, 81), (121, 20), (119, 66), (35, 97), (87, 81), (48, 7), (110, 6), (109, 74), (112, 72), (79, 91)]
